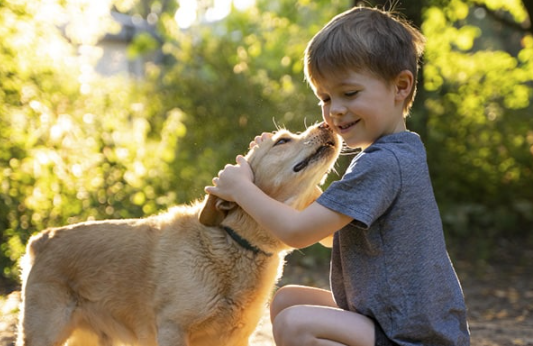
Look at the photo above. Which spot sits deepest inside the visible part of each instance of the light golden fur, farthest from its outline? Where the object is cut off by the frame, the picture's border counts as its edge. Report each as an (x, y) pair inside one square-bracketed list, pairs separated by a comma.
[(172, 279)]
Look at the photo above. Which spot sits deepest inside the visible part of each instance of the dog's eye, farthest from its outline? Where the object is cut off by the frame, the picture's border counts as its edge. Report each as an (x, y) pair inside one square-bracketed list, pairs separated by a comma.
[(282, 141)]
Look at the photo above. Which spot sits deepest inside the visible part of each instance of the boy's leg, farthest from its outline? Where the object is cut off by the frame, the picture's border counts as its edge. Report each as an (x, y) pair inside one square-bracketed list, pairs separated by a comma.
[(291, 295), (322, 326), (308, 316)]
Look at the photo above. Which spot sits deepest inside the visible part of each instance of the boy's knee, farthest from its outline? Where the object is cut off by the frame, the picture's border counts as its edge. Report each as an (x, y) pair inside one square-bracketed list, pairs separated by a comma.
[(283, 298), (289, 327)]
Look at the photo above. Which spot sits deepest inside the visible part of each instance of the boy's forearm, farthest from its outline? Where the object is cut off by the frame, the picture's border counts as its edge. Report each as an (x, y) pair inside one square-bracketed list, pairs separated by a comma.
[(297, 229)]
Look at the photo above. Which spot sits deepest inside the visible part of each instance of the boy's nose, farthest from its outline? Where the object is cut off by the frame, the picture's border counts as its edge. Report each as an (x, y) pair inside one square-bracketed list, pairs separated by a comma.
[(337, 110)]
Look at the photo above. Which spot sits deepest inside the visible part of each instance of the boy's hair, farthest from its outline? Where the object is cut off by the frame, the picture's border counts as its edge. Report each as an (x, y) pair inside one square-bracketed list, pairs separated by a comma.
[(365, 40)]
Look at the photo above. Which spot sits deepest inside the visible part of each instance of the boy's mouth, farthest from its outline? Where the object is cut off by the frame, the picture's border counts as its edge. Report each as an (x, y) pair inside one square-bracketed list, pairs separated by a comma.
[(347, 126)]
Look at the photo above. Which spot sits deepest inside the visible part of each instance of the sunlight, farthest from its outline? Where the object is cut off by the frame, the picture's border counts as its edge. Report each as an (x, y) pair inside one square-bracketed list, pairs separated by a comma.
[(186, 15), (219, 11), (243, 5), (85, 20)]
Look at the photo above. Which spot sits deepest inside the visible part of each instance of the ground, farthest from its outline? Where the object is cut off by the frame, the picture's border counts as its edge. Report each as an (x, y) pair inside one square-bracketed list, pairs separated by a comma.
[(499, 296)]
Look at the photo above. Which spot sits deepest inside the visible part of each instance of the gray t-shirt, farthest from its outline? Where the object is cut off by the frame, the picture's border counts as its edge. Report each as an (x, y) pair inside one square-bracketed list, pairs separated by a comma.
[(390, 263)]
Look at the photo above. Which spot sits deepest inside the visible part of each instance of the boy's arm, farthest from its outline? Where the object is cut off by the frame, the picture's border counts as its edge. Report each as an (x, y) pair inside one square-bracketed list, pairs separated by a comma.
[(295, 228)]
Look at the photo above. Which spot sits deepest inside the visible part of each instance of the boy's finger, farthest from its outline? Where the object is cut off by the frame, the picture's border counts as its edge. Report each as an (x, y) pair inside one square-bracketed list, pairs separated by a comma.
[(266, 135), (240, 160), (258, 139), (255, 142)]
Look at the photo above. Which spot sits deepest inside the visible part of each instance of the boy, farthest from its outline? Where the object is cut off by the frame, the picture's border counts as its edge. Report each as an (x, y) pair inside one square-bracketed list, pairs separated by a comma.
[(391, 278)]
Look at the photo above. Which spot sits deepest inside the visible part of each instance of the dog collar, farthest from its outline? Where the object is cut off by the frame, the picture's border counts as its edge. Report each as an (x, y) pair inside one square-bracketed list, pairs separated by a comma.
[(243, 242)]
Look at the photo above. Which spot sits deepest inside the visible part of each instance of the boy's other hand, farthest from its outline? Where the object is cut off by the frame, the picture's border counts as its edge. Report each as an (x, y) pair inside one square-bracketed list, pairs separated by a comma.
[(230, 179), (259, 139)]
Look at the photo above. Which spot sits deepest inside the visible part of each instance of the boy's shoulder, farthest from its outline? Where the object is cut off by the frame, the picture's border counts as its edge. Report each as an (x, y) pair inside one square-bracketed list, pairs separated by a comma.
[(403, 146), (399, 154), (398, 139)]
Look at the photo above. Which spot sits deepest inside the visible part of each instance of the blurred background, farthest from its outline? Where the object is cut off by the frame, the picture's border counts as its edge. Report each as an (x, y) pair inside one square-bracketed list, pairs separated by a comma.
[(122, 108)]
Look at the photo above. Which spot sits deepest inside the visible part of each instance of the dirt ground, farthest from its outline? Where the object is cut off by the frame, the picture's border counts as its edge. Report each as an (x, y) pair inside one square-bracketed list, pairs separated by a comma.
[(499, 296)]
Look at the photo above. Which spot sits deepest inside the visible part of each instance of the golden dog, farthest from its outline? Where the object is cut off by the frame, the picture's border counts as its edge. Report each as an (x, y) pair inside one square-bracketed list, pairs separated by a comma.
[(197, 275)]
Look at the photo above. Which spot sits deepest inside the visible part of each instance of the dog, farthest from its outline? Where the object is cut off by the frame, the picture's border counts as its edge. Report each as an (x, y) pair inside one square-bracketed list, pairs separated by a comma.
[(197, 275)]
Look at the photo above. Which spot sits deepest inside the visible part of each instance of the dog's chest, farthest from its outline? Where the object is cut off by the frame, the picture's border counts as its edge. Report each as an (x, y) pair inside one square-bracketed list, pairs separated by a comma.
[(235, 307)]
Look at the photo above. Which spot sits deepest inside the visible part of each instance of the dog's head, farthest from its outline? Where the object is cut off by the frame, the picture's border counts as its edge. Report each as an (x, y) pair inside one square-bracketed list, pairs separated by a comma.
[(288, 167)]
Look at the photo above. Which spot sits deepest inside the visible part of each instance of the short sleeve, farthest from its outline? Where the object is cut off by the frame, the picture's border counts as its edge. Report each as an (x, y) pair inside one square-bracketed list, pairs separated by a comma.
[(367, 189)]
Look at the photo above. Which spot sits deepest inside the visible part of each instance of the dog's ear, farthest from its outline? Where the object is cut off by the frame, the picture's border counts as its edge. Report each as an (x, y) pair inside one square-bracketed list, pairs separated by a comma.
[(214, 211)]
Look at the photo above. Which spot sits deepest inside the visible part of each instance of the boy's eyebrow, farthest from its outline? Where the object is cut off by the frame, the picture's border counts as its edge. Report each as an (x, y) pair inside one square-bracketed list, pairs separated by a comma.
[(344, 84), (349, 84)]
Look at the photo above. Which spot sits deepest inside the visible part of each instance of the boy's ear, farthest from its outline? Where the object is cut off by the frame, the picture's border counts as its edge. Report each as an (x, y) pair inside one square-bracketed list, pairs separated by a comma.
[(404, 83)]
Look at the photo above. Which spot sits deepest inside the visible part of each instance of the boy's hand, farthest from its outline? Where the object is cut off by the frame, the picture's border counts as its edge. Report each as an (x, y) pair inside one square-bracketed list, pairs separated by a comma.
[(229, 181), (234, 176)]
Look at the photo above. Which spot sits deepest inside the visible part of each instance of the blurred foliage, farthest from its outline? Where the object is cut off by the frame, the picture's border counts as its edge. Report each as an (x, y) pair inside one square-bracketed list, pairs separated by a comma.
[(76, 146), (73, 146), (478, 82)]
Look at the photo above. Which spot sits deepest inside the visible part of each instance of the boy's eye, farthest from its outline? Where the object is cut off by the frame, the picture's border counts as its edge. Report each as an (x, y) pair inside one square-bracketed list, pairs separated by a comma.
[(282, 141), (323, 101), (351, 93)]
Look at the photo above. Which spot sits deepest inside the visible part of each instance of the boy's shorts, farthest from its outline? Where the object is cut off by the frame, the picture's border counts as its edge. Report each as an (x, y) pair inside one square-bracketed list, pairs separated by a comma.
[(381, 337)]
